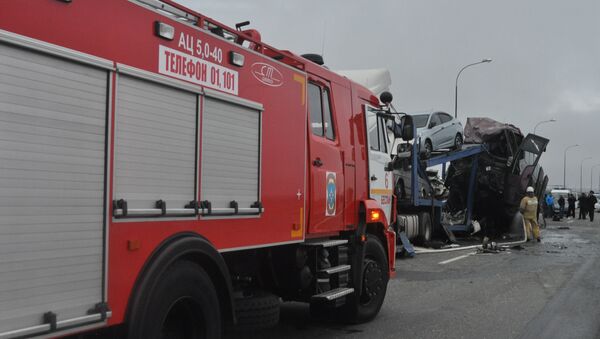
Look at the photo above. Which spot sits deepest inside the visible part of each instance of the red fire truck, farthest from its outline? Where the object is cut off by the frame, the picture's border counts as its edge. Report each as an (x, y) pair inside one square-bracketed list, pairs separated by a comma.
[(166, 175)]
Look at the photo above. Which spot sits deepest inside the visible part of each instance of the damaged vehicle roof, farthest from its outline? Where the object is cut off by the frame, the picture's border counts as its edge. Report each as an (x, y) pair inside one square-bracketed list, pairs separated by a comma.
[(483, 130)]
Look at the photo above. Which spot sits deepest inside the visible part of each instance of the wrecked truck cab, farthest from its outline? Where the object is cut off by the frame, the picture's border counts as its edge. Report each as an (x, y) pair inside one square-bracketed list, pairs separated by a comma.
[(504, 171)]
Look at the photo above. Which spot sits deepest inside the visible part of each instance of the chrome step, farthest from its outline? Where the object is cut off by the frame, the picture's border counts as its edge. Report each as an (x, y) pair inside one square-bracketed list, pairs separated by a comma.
[(335, 269), (333, 294), (327, 242)]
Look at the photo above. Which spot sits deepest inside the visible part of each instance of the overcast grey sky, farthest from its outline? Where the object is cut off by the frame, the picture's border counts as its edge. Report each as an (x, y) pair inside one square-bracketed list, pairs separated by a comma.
[(546, 58)]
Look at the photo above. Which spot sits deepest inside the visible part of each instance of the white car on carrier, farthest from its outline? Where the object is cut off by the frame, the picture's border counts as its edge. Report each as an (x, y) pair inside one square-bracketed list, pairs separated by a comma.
[(437, 130)]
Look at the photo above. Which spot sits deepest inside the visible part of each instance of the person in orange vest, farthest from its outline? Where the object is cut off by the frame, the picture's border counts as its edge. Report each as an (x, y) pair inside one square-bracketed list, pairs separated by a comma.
[(529, 207)]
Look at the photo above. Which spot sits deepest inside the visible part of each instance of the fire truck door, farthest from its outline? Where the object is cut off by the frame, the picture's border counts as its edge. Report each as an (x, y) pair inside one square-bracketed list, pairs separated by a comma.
[(325, 157), (380, 180)]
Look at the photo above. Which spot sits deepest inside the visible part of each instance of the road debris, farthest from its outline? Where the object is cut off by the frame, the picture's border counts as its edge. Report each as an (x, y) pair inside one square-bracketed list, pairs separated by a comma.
[(490, 247)]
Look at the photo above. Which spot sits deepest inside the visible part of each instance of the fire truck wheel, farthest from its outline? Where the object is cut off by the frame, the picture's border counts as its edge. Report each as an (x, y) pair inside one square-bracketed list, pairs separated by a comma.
[(182, 304), (257, 311), (363, 305), (425, 228)]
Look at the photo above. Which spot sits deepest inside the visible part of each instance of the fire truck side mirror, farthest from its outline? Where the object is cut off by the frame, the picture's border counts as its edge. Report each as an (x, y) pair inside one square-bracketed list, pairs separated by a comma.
[(406, 128)]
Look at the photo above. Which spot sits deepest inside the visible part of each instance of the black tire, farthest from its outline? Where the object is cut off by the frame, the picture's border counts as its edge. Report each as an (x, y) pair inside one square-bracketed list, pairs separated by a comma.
[(428, 149), (425, 228), (257, 311), (363, 305), (181, 303), (458, 141)]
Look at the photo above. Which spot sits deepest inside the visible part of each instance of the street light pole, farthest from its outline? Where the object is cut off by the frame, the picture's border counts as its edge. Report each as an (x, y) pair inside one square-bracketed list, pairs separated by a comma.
[(456, 83), (581, 173), (542, 122), (565, 165)]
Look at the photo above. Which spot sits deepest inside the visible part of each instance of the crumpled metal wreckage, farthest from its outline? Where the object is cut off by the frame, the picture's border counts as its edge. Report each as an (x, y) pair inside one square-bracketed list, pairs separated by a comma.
[(510, 164)]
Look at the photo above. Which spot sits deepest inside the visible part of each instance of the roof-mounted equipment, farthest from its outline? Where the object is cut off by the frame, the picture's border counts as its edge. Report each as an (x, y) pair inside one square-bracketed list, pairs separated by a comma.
[(316, 58)]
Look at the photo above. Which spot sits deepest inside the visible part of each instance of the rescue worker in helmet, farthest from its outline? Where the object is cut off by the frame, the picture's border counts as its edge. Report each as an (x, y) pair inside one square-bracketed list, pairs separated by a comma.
[(529, 207)]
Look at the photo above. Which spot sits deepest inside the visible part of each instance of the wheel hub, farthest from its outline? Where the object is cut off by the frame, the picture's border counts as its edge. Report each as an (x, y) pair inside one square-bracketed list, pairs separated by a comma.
[(181, 321), (372, 281)]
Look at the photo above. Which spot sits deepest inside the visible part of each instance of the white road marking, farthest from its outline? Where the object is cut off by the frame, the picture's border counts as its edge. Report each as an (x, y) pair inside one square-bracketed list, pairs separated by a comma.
[(456, 258), (570, 221)]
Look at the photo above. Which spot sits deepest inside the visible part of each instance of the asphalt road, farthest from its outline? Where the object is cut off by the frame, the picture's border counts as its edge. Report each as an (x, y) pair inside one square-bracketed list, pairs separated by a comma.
[(545, 290)]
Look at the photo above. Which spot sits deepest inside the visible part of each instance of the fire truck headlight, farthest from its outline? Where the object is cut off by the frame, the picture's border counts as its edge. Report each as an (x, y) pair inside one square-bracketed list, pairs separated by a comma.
[(163, 30), (236, 59)]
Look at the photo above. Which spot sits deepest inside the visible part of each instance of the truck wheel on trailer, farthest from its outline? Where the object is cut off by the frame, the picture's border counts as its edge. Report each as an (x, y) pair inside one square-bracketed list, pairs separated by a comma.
[(428, 149), (259, 310), (182, 303), (425, 228), (364, 305)]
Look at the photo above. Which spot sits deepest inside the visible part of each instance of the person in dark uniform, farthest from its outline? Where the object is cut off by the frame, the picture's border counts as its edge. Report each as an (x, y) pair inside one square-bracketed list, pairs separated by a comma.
[(571, 209), (550, 205), (561, 207), (591, 204), (582, 205)]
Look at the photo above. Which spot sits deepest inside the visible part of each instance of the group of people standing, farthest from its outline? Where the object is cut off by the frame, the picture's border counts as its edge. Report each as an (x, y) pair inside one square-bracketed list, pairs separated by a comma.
[(529, 209), (587, 204)]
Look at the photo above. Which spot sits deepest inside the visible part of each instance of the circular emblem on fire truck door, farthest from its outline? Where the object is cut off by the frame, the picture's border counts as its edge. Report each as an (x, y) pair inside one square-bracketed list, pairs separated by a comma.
[(331, 192), (267, 74)]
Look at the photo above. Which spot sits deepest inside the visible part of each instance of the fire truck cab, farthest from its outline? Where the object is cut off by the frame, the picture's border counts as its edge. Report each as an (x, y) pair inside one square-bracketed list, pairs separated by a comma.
[(162, 173)]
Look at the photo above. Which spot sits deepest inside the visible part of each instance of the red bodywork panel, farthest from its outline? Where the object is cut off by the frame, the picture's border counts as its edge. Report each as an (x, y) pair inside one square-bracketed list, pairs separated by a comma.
[(123, 32)]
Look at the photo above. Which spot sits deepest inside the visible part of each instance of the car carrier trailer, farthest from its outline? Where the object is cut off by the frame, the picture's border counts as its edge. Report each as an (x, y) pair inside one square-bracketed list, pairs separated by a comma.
[(419, 210)]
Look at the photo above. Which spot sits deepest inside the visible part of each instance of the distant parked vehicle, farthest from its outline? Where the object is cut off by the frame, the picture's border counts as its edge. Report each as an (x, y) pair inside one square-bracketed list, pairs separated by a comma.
[(557, 193), (437, 130)]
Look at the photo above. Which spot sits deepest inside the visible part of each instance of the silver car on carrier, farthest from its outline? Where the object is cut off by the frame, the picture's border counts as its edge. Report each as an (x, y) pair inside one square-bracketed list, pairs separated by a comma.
[(437, 130)]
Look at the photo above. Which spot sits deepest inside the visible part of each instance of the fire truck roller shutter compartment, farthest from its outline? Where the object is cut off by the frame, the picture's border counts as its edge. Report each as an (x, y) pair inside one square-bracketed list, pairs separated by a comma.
[(230, 154), (155, 146), (53, 116)]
